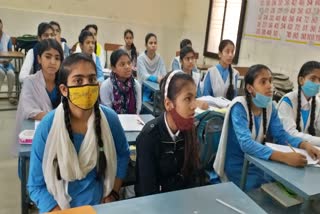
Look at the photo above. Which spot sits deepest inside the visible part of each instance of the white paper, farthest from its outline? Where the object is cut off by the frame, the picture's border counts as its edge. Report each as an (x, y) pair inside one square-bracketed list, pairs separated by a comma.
[(219, 102), (131, 122), (283, 148)]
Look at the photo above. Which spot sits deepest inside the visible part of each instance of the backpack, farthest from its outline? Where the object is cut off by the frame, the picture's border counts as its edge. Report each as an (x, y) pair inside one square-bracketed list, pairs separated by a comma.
[(209, 129), (282, 85), (26, 42)]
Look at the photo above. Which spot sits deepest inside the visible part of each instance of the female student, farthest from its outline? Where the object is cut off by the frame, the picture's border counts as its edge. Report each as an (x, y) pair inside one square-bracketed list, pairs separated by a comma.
[(121, 91), (299, 110), (57, 32), (221, 80), (167, 149), (247, 122), (130, 48), (176, 62), (79, 152), (30, 64), (150, 65), (87, 44), (98, 49), (39, 93), (6, 68)]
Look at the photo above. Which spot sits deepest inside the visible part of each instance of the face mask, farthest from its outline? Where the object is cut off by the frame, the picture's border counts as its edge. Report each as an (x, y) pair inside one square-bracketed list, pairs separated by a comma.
[(84, 96), (181, 123), (261, 100), (310, 88)]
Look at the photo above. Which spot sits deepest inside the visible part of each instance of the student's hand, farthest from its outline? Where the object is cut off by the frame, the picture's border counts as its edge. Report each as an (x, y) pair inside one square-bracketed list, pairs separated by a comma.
[(312, 151), (56, 208), (295, 159), (159, 79), (202, 105), (108, 199)]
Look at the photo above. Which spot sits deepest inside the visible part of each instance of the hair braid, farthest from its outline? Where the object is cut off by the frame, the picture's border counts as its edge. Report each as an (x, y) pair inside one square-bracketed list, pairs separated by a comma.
[(311, 128), (264, 118), (299, 109), (230, 91), (248, 99)]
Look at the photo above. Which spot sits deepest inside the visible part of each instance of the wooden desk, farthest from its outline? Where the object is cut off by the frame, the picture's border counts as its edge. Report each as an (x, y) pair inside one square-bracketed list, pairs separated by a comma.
[(203, 67), (201, 200), (303, 181)]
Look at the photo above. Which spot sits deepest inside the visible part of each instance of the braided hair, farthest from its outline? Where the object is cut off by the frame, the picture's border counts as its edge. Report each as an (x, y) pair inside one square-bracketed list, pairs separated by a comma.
[(306, 69), (65, 70), (230, 92), (249, 78)]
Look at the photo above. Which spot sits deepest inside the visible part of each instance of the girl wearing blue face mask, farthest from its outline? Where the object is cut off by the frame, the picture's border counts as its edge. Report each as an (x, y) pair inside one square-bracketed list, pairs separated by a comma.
[(299, 110), (248, 121)]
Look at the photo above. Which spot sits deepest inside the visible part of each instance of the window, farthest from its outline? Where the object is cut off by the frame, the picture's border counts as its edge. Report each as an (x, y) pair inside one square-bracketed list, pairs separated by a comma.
[(225, 21)]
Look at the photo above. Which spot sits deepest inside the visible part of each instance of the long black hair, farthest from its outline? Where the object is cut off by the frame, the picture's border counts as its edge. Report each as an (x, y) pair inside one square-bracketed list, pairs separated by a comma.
[(43, 27), (191, 153), (95, 27), (230, 92), (249, 78), (65, 70), (133, 47), (46, 45), (306, 69)]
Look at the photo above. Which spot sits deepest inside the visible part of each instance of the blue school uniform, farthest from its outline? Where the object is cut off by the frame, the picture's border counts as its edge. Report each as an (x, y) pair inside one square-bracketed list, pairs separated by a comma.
[(54, 95), (87, 191)]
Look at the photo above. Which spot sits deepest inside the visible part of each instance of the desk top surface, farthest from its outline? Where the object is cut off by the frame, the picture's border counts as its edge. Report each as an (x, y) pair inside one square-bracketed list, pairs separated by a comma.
[(152, 85), (201, 200), (303, 181), (25, 149), (11, 54)]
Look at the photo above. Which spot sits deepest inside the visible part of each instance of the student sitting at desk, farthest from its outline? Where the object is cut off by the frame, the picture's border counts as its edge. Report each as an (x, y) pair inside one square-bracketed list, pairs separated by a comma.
[(150, 65), (30, 64), (39, 93), (57, 32), (6, 68), (98, 49), (299, 110), (121, 91), (221, 80), (167, 148), (130, 48), (87, 44), (79, 152), (247, 122)]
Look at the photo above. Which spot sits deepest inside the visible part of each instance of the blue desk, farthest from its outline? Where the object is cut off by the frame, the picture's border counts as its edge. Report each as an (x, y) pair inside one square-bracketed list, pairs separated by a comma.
[(303, 181), (25, 150), (151, 107), (201, 200)]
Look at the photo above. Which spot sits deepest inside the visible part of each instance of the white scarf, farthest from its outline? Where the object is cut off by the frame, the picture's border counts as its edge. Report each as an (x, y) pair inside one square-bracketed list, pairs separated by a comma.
[(75, 166), (219, 162)]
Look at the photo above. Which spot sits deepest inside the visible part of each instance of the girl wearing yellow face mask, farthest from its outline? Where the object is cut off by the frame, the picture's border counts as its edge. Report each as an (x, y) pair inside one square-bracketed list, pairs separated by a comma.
[(79, 153)]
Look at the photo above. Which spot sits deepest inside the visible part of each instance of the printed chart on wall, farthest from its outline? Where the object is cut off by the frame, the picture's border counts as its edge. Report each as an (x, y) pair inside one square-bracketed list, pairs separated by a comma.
[(292, 21)]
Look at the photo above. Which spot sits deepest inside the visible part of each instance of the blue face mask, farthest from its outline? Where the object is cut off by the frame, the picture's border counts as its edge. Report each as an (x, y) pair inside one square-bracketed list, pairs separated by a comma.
[(261, 100), (310, 88)]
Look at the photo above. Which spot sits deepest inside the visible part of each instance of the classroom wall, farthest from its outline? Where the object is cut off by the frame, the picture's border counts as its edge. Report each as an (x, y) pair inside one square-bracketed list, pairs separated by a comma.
[(280, 57), (142, 16)]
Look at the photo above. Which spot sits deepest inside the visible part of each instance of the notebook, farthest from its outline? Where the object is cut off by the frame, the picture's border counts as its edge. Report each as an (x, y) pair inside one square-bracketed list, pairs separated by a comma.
[(283, 148), (219, 102), (131, 122), (77, 210)]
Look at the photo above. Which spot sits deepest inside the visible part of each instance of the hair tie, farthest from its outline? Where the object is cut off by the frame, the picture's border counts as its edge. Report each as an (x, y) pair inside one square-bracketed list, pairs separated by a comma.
[(101, 148), (168, 81)]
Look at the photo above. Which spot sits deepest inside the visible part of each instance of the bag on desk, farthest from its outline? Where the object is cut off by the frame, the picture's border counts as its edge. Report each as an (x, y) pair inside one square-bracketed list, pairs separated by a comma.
[(209, 129), (26, 42)]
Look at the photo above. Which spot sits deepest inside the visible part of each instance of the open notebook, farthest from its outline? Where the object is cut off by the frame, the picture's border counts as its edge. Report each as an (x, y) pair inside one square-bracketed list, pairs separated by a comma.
[(131, 122), (283, 148), (219, 102)]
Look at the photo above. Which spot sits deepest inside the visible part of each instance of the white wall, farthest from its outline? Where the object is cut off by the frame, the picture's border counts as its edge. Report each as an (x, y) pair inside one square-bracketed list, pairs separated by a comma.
[(164, 18), (280, 57)]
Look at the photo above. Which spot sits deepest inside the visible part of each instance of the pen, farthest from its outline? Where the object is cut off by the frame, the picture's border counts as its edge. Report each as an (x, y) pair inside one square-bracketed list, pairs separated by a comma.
[(140, 121), (290, 147), (228, 205)]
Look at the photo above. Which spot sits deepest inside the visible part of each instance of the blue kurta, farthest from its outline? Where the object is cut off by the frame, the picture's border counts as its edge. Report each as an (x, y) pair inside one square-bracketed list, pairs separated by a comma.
[(53, 95), (304, 113), (240, 142), (87, 191)]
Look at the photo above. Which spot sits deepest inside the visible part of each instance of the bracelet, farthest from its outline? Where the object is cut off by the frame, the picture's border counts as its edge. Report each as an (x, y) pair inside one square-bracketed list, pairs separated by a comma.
[(115, 195)]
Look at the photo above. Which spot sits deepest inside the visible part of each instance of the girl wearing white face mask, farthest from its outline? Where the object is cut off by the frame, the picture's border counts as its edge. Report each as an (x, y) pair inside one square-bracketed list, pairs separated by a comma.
[(79, 152), (247, 122), (299, 110)]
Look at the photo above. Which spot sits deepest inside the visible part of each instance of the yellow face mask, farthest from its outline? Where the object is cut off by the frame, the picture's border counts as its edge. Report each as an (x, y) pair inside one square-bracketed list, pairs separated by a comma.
[(84, 96)]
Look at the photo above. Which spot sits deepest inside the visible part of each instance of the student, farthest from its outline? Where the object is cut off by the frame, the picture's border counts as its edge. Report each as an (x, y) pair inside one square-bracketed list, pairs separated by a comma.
[(221, 80), (130, 48), (98, 50), (62, 41), (176, 62), (299, 110), (79, 152), (30, 64), (6, 68), (87, 44), (39, 93), (121, 91), (150, 65), (247, 116), (167, 148)]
